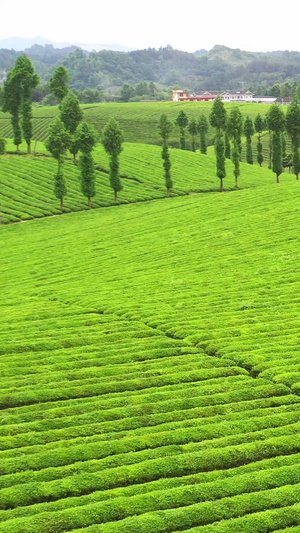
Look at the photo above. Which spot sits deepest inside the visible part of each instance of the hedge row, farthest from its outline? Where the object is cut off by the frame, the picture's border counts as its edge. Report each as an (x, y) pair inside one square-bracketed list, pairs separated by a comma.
[(149, 470)]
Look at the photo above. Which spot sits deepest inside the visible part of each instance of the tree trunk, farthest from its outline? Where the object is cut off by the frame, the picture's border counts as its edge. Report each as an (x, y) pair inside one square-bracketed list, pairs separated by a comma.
[(116, 196), (62, 204), (90, 203), (29, 148), (236, 183), (169, 193), (74, 159), (34, 150), (277, 179)]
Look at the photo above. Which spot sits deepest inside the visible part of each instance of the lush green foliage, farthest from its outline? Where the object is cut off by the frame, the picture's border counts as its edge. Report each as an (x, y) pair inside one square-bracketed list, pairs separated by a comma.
[(59, 83), (27, 182), (221, 68), (112, 140), (203, 129), (151, 386), (182, 121), (17, 98), (138, 121)]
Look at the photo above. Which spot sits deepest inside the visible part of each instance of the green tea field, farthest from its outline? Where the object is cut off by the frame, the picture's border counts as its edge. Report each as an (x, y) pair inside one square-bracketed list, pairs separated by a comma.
[(27, 181), (150, 372), (138, 120)]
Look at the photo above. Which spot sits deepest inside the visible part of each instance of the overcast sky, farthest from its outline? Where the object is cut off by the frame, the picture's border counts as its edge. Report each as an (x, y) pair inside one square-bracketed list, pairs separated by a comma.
[(258, 25)]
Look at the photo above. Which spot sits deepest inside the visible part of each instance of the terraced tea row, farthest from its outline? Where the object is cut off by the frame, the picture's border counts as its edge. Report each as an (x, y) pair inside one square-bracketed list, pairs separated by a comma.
[(27, 182), (129, 405), (138, 120), (142, 351)]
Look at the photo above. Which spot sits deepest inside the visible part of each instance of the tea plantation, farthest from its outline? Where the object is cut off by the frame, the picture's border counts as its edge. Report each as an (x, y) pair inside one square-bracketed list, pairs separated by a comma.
[(138, 120), (150, 357), (27, 181)]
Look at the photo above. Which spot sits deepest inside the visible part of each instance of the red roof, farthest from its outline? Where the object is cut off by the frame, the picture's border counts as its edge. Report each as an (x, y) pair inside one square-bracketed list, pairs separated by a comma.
[(199, 98)]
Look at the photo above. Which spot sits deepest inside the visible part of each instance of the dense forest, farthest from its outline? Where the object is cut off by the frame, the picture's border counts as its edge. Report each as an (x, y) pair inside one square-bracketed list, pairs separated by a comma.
[(99, 76)]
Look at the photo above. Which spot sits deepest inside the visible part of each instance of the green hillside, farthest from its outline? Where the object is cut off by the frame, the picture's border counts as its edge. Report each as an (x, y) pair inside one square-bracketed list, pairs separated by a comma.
[(150, 367), (138, 120), (27, 181)]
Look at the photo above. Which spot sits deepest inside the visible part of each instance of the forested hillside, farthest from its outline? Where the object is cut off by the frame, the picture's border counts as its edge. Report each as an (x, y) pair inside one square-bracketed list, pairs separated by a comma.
[(220, 68)]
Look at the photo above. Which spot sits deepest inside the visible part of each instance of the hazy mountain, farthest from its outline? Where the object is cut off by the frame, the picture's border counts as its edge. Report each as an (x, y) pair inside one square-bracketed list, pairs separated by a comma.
[(22, 43)]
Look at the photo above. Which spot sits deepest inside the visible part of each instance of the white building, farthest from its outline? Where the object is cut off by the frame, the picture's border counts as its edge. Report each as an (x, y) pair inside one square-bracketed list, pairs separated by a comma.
[(237, 96)]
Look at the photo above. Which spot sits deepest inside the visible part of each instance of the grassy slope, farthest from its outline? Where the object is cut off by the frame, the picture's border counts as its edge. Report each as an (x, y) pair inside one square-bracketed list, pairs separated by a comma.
[(138, 120), (27, 182), (135, 409)]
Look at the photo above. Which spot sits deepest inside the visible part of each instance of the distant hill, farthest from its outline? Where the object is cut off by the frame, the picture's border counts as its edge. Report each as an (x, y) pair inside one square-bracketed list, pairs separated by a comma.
[(220, 68), (21, 43)]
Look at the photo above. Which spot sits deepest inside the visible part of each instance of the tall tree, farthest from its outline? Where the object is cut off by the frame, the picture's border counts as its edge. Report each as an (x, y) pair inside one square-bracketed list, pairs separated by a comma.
[(217, 119), (203, 129), (182, 121), (11, 102), (227, 145), (235, 158), (71, 115), (57, 143), (276, 124), (85, 139), (28, 81), (249, 131), (17, 98), (165, 128), (260, 125), (112, 139), (235, 128), (59, 83), (70, 112), (293, 130), (193, 130)]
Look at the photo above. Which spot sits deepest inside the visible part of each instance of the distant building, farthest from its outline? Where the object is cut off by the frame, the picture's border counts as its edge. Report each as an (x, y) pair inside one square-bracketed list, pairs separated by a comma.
[(264, 99), (227, 96), (237, 96), (182, 96)]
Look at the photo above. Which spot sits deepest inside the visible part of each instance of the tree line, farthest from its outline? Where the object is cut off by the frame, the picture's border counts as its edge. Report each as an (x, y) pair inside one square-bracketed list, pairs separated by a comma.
[(219, 69), (229, 130), (68, 132)]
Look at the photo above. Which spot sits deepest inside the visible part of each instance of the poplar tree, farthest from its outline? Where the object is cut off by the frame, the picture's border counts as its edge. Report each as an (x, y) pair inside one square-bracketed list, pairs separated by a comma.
[(217, 119), (193, 130), (203, 129), (71, 115), (293, 130), (57, 143), (249, 131), (85, 139), (182, 122), (227, 146), (12, 103), (235, 158), (235, 128), (59, 83), (112, 139), (165, 128), (259, 124), (276, 124), (17, 98), (28, 81)]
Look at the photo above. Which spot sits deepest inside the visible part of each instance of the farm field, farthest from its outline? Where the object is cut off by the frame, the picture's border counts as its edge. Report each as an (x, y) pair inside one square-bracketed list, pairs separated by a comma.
[(149, 367), (138, 120), (27, 181)]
